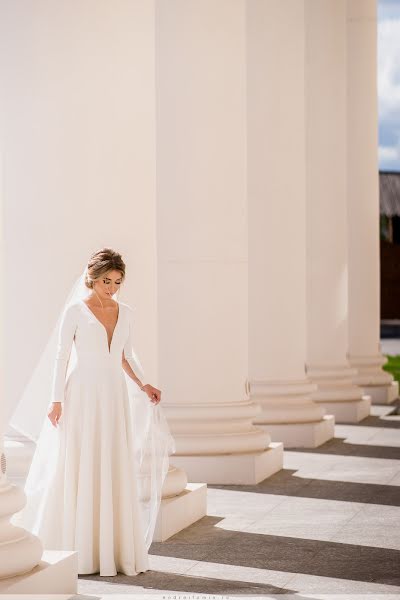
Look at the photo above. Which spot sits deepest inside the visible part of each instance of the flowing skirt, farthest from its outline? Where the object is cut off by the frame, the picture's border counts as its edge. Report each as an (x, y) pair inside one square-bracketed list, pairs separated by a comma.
[(82, 486)]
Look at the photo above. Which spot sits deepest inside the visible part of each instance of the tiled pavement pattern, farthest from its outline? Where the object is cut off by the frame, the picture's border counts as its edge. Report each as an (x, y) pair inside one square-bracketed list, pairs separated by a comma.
[(327, 526)]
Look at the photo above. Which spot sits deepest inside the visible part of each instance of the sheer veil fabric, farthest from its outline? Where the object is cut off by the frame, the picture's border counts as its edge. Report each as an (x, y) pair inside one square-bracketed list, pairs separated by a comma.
[(153, 442)]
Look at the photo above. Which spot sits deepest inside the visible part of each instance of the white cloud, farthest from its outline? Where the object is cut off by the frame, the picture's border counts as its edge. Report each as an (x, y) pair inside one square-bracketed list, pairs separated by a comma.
[(389, 92), (388, 9), (389, 68), (389, 153)]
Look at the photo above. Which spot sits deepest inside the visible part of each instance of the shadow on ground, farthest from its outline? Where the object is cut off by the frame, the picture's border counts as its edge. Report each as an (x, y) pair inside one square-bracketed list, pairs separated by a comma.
[(340, 446), (203, 541), (286, 483), (161, 580)]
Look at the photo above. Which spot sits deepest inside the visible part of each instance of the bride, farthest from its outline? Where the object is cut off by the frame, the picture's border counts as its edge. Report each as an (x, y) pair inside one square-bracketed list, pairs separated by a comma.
[(101, 457)]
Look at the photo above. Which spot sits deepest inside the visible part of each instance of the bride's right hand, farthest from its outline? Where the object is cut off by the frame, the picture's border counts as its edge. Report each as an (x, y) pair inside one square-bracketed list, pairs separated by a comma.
[(54, 413)]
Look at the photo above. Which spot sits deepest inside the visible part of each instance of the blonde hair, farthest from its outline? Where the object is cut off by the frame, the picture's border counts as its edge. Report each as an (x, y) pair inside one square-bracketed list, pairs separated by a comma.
[(101, 262)]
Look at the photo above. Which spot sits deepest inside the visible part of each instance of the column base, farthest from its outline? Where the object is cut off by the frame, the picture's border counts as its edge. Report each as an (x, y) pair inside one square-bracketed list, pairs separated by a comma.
[(337, 393), (373, 379), (284, 402), (241, 469), (214, 429), (180, 511), (19, 454), (299, 435), (289, 415), (57, 573), (348, 411), (182, 504), (382, 394)]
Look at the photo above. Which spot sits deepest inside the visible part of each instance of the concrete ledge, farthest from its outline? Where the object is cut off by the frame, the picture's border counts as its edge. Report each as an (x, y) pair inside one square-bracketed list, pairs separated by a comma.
[(307, 435), (246, 468), (57, 573), (180, 511), (382, 394), (349, 411)]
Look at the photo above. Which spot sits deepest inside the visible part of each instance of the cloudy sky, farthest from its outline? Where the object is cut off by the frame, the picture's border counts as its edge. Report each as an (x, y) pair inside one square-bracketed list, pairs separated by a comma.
[(389, 84)]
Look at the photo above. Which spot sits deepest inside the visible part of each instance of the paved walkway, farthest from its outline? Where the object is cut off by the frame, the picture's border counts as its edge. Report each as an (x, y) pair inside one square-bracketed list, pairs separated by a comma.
[(326, 526)]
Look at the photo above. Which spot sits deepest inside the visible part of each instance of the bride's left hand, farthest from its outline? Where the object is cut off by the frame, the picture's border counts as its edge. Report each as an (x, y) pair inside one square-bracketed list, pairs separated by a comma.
[(153, 393)]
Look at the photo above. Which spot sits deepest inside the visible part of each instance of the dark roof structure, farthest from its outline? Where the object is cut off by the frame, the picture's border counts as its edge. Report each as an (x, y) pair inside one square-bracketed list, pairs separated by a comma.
[(389, 193)]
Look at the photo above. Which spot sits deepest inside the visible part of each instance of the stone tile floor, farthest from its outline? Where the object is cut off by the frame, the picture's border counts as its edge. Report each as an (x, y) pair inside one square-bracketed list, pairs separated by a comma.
[(327, 526)]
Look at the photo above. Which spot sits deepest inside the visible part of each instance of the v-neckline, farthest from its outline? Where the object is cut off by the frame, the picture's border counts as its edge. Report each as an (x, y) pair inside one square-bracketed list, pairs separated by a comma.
[(103, 326)]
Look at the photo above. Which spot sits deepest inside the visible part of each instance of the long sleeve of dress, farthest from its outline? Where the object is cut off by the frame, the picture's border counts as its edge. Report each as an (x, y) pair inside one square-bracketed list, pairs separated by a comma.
[(129, 351), (65, 338)]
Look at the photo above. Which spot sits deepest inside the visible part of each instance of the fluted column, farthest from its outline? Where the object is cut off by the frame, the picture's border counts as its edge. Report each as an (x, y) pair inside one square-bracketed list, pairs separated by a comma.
[(363, 203), (327, 255), (277, 226), (202, 242)]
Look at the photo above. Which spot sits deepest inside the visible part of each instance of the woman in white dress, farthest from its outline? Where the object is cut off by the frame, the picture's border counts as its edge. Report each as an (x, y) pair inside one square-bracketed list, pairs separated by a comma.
[(100, 491)]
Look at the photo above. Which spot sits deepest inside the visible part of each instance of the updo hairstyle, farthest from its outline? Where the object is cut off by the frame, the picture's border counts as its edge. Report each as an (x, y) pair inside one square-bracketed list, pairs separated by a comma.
[(101, 262)]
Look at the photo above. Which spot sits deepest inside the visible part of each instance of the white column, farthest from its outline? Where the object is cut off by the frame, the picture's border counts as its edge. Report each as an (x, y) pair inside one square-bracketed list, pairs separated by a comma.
[(20, 551), (327, 255), (277, 225), (202, 242), (78, 121), (363, 203)]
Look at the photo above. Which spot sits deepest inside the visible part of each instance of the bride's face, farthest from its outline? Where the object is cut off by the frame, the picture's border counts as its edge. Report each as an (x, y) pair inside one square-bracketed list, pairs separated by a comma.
[(108, 284)]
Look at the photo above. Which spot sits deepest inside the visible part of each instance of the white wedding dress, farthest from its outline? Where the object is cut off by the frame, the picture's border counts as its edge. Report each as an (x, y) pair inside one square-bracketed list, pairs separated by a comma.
[(83, 485)]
